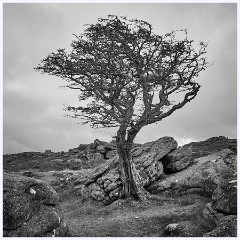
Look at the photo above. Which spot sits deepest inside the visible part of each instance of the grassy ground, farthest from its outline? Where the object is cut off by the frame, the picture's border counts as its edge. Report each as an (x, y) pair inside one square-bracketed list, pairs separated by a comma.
[(122, 218), (135, 219)]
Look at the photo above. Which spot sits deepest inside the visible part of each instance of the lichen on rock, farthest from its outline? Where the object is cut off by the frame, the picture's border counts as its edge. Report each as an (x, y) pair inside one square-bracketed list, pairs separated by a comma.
[(30, 208)]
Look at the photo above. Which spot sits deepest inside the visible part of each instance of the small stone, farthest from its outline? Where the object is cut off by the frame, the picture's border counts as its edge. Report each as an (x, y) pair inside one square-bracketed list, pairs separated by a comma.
[(172, 226), (32, 191)]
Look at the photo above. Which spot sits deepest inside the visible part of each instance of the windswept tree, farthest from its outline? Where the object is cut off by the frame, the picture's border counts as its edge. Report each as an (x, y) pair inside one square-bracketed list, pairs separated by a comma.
[(130, 78)]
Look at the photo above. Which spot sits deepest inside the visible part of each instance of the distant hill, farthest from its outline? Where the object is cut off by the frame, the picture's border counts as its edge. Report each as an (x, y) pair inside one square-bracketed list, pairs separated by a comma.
[(90, 155)]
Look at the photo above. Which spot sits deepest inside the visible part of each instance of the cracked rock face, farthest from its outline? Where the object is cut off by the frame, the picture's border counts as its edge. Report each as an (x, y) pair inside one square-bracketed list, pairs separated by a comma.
[(205, 174), (147, 158), (177, 160), (225, 199), (103, 182), (30, 208)]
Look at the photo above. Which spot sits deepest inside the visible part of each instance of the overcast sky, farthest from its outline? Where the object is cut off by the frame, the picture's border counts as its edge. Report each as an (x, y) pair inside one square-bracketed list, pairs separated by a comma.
[(33, 103)]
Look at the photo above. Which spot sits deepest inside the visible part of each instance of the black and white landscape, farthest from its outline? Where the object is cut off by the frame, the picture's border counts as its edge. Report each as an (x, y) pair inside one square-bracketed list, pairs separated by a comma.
[(130, 130)]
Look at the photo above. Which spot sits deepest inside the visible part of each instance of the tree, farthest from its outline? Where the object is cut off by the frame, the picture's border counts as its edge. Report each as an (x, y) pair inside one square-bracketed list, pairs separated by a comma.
[(130, 78)]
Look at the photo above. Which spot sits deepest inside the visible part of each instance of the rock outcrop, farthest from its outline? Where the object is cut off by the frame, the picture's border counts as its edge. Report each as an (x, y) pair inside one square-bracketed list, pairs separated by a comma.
[(103, 183), (91, 155), (213, 174), (204, 174), (227, 227), (83, 157), (212, 145), (177, 160), (221, 213), (31, 208), (147, 158), (212, 216), (225, 198)]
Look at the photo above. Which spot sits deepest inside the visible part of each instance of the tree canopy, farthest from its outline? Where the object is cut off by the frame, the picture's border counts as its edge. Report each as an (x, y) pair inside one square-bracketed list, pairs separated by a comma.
[(128, 74)]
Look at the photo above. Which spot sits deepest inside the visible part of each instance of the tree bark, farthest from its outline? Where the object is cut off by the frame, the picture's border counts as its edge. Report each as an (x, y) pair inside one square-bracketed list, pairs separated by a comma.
[(131, 180)]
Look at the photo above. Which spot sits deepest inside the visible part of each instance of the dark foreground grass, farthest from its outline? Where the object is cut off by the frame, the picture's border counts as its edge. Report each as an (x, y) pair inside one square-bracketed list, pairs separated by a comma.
[(135, 219)]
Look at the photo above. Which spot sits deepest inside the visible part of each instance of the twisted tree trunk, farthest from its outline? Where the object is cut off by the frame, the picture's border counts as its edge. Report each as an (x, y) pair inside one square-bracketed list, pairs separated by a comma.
[(131, 180)]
